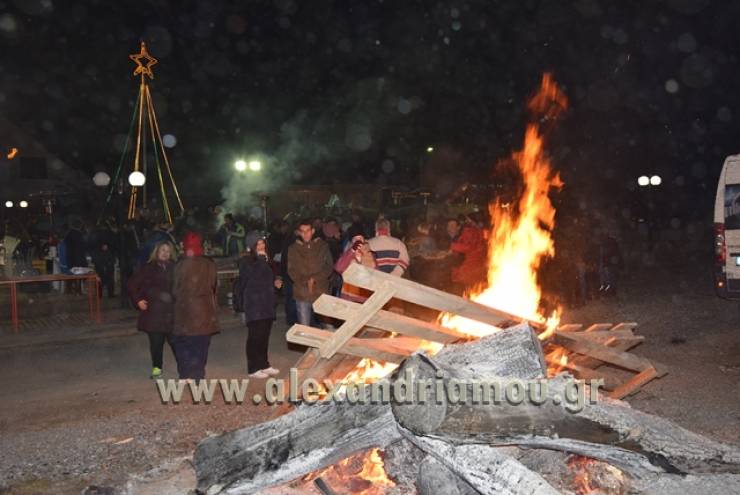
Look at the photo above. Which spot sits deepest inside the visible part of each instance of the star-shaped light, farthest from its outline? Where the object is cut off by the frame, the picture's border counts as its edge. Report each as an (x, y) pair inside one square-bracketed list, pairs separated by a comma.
[(144, 68)]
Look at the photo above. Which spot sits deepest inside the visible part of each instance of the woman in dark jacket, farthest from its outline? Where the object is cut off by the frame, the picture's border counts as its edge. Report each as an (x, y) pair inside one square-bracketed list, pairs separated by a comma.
[(150, 289), (257, 290)]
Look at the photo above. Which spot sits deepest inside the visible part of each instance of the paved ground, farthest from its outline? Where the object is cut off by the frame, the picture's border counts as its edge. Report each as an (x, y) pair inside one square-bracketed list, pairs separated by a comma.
[(80, 409)]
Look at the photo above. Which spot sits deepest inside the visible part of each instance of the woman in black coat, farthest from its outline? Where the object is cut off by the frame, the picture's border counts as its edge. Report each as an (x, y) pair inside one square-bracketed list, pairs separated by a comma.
[(150, 289), (257, 284)]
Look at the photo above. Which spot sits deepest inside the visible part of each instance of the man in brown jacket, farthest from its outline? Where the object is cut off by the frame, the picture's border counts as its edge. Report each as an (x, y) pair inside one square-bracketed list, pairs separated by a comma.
[(309, 265), (196, 315)]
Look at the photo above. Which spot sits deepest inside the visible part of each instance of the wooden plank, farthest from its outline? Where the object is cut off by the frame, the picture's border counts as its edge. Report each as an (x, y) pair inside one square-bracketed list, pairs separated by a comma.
[(428, 297), (570, 327), (621, 344), (354, 323), (602, 352), (343, 309), (602, 337), (634, 384), (311, 365), (605, 334), (624, 326), (584, 373), (377, 349), (598, 326)]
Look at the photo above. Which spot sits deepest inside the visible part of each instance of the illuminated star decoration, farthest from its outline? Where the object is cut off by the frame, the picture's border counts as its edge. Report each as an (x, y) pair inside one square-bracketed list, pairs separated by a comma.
[(145, 69)]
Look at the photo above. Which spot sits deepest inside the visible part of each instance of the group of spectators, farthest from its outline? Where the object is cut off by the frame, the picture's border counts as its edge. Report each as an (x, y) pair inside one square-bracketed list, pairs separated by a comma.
[(177, 301), (177, 304)]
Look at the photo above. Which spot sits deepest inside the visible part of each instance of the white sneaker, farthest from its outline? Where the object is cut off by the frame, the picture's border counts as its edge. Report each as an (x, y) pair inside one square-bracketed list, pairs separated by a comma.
[(260, 375), (271, 371)]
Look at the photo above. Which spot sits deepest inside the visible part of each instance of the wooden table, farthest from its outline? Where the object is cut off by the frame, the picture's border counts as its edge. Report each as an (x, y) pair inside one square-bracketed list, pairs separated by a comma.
[(93, 292)]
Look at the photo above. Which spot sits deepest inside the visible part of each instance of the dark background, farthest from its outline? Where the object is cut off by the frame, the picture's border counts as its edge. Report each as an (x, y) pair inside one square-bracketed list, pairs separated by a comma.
[(328, 91)]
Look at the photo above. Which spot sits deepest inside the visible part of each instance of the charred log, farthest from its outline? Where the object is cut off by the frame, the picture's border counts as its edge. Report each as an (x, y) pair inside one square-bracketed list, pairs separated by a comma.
[(484, 469), (309, 438), (604, 430)]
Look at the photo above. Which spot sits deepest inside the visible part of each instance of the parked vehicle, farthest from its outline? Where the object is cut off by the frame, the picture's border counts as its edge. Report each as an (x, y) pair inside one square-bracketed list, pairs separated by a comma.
[(727, 230)]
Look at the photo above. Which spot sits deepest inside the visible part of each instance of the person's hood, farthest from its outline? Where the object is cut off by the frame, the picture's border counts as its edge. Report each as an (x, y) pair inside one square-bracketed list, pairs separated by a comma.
[(193, 244)]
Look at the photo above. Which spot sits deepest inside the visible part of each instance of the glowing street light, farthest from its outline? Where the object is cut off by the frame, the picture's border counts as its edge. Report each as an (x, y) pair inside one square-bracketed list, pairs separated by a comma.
[(101, 179), (136, 178), (655, 180), (23, 204), (643, 181), (8, 204), (240, 165), (430, 149), (255, 166)]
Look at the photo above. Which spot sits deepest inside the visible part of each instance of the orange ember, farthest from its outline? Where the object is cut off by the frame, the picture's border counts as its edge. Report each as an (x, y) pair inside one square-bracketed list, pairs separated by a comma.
[(581, 475), (373, 470), (521, 236), (368, 371), (360, 474)]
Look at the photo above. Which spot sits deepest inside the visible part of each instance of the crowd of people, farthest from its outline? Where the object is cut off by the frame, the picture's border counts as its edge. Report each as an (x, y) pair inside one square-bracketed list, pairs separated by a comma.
[(171, 277)]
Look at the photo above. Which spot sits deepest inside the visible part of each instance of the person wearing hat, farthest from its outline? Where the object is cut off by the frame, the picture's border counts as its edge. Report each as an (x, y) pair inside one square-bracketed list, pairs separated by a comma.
[(196, 315), (257, 284)]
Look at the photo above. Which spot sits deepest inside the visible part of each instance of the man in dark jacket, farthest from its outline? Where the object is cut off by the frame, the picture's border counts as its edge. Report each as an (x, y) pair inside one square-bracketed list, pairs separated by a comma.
[(309, 265), (196, 310)]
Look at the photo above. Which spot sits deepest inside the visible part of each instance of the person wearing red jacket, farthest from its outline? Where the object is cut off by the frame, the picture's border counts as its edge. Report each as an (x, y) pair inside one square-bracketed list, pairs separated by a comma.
[(471, 245)]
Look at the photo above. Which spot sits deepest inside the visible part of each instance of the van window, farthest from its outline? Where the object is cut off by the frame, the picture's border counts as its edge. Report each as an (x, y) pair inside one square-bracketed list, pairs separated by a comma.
[(732, 206)]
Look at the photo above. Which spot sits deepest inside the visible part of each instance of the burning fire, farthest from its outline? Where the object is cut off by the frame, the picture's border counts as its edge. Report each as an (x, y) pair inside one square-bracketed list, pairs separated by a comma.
[(591, 476), (521, 236), (368, 371), (373, 470), (360, 474)]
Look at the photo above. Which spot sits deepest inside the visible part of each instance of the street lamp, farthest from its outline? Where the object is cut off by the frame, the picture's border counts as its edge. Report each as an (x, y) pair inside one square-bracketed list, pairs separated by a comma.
[(255, 166), (136, 179), (101, 179), (240, 165), (430, 149)]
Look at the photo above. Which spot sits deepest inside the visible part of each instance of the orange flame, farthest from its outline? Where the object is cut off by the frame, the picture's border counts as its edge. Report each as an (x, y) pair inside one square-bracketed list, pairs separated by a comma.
[(591, 476), (521, 237), (373, 470), (368, 371)]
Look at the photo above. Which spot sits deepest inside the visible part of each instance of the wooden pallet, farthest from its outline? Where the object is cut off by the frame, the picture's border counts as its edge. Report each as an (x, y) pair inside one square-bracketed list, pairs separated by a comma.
[(364, 333), (593, 349)]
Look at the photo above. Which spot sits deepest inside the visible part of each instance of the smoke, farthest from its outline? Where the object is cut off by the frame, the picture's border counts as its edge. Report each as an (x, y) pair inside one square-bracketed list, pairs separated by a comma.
[(332, 132)]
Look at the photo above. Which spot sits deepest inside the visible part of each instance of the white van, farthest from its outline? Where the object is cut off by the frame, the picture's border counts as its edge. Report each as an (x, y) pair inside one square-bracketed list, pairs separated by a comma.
[(727, 230)]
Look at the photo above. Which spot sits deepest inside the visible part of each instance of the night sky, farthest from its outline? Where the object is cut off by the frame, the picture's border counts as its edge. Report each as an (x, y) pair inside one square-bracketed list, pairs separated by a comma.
[(355, 91)]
